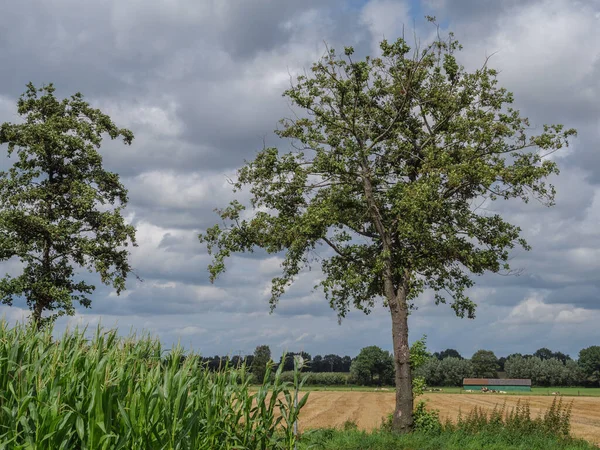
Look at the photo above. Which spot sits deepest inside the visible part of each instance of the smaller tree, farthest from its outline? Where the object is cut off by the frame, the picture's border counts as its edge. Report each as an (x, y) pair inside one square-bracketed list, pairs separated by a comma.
[(449, 352), (431, 372), (346, 363), (373, 365), (544, 353), (454, 370), (317, 364), (554, 372), (262, 356), (501, 362), (574, 375), (562, 357), (485, 364), (56, 200), (332, 363), (589, 361)]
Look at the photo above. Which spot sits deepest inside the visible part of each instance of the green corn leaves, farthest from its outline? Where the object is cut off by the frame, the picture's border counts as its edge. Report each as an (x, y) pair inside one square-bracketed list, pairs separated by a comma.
[(119, 393)]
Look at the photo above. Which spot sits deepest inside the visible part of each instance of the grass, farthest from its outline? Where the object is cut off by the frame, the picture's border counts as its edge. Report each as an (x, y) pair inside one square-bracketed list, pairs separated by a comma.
[(565, 391), (499, 429), (331, 439)]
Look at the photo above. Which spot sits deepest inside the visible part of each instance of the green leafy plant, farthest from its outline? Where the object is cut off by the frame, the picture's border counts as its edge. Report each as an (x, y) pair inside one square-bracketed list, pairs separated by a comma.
[(121, 393)]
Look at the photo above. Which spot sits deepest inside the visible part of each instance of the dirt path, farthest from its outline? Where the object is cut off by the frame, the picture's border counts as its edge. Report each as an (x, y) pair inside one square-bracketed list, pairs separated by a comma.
[(367, 409)]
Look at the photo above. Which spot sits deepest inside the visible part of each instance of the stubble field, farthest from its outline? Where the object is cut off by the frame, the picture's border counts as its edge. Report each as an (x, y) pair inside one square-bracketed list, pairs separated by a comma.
[(367, 409)]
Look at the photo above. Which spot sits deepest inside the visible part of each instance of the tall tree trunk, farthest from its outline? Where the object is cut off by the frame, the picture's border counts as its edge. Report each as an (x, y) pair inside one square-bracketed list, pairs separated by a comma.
[(403, 419), (396, 298), (36, 316), (41, 299)]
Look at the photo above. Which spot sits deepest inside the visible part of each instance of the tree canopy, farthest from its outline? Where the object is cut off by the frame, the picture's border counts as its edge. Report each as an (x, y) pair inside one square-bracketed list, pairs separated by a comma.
[(448, 353), (393, 157), (485, 364), (60, 208), (373, 366), (262, 357), (589, 361)]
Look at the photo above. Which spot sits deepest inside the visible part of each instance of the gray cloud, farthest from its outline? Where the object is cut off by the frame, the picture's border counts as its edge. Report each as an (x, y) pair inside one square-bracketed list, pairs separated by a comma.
[(200, 85)]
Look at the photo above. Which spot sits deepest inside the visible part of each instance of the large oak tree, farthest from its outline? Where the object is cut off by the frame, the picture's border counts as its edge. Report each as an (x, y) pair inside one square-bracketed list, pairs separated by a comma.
[(60, 209), (392, 158)]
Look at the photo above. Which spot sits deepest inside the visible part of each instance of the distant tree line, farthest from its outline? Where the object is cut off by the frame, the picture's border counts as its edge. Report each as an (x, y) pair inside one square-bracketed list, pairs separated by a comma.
[(375, 367), (544, 367), (262, 355)]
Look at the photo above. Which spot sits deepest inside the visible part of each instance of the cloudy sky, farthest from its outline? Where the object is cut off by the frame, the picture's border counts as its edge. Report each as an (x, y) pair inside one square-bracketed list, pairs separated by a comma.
[(199, 82)]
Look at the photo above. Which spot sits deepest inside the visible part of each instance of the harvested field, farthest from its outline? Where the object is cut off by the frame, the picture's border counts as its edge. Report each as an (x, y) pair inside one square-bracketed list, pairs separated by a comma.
[(367, 409)]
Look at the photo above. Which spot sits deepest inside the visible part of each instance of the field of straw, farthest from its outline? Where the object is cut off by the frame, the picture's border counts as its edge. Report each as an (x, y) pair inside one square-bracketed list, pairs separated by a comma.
[(367, 409)]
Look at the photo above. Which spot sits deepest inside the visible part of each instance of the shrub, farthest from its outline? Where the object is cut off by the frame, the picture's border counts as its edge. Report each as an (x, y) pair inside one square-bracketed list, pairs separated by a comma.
[(426, 421), (556, 421)]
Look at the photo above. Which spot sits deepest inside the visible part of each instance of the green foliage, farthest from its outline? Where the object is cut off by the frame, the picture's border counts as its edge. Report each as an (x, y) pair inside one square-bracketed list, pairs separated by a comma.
[(485, 364), (545, 353), (373, 366), (449, 352), (389, 158), (589, 361), (419, 384), (418, 353), (498, 429), (55, 201), (320, 378), (418, 357), (449, 371), (454, 370), (555, 422), (426, 421), (262, 358), (545, 372), (119, 393), (392, 156)]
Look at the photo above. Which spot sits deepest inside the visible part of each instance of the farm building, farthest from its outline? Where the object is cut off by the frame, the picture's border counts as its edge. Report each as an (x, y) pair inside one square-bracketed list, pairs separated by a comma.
[(498, 384)]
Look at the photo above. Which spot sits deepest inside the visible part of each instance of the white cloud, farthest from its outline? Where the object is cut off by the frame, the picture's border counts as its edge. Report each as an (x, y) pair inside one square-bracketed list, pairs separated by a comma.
[(270, 266), (386, 19), (191, 331), (533, 310), (200, 85)]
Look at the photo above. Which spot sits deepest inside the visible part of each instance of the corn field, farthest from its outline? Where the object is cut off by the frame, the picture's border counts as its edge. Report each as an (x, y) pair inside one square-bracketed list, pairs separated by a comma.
[(110, 392)]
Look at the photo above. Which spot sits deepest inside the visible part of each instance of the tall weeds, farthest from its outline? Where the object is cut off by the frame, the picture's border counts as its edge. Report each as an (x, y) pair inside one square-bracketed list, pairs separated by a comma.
[(119, 393), (555, 421)]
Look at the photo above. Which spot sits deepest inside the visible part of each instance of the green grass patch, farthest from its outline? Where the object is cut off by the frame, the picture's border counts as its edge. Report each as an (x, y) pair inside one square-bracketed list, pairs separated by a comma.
[(330, 439), (547, 391), (499, 429), (565, 391)]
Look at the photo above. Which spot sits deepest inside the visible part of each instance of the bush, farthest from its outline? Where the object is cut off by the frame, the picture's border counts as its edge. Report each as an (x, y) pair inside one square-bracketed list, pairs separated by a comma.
[(555, 422), (426, 421)]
